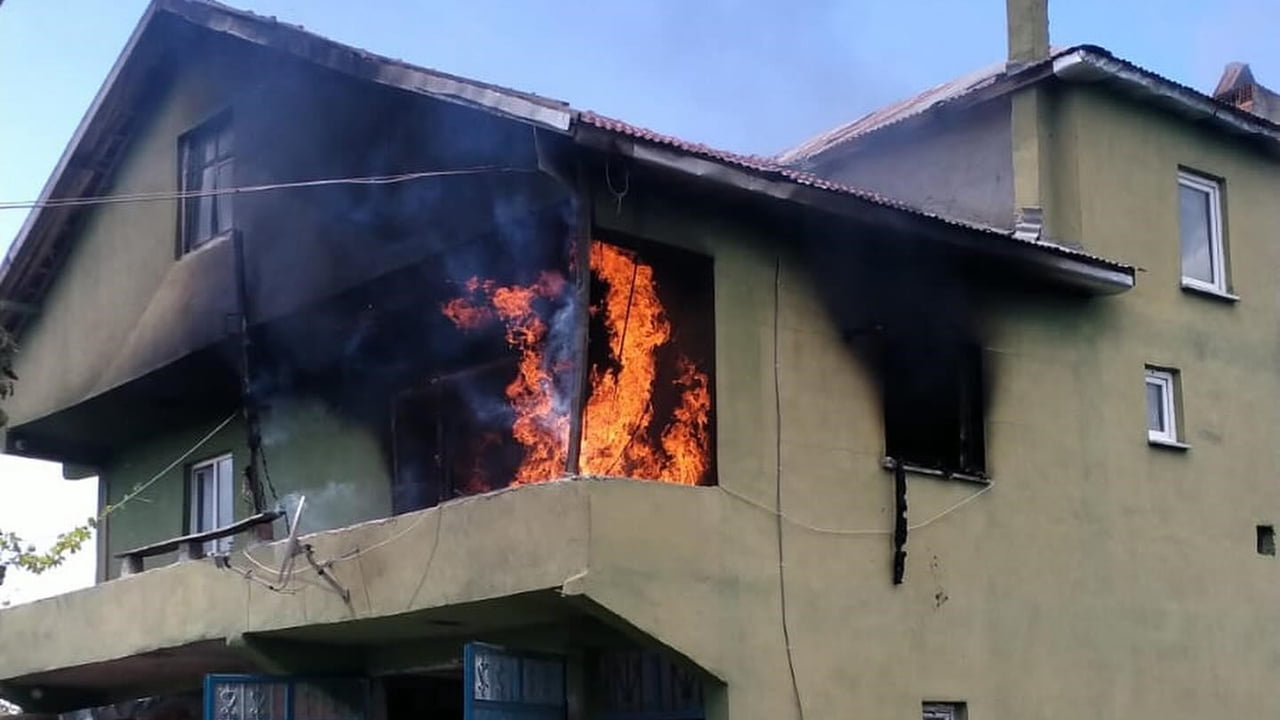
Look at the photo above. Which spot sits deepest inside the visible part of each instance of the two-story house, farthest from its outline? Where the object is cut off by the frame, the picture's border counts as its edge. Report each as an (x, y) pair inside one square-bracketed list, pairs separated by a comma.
[(413, 396)]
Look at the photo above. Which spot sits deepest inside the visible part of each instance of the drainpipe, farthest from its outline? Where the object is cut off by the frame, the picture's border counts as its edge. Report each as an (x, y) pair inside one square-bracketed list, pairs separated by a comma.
[(1028, 26)]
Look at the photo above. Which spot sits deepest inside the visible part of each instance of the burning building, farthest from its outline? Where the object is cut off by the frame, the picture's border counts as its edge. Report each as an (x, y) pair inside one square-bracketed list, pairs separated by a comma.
[(411, 410)]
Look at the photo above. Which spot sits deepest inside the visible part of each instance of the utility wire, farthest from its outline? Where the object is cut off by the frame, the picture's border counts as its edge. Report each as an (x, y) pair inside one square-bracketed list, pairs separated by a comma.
[(246, 189), (190, 451), (841, 531), (777, 434)]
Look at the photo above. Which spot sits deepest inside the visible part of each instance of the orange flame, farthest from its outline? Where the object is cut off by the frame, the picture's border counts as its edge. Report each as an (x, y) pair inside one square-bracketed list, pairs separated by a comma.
[(619, 436), (541, 427)]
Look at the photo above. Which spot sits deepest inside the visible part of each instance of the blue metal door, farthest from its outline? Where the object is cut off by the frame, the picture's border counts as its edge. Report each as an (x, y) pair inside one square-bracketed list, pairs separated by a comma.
[(268, 697), (502, 684)]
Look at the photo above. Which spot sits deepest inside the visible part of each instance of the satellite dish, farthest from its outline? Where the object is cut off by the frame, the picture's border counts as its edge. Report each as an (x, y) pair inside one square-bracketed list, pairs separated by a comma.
[(291, 547)]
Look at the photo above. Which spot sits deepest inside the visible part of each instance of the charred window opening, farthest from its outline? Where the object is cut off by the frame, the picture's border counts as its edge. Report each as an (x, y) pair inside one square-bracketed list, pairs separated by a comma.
[(934, 404), (443, 449), (502, 414)]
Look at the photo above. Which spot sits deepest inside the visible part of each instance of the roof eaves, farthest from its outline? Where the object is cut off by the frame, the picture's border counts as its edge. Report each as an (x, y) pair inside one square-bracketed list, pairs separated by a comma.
[(766, 177), (300, 42), (1090, 63)]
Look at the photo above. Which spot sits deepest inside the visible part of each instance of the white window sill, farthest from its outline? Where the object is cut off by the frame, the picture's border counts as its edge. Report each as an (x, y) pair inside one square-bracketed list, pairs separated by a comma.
[(1208, 291), (1171, 444), (890, 464), (218, 239)]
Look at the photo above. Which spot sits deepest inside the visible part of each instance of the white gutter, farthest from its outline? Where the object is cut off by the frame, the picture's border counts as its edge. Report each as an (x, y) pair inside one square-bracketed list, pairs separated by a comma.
[(1085, 66)]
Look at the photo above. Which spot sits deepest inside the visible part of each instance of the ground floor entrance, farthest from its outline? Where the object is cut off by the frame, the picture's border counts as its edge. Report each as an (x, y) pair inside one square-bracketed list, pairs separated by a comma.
[(485, 682)]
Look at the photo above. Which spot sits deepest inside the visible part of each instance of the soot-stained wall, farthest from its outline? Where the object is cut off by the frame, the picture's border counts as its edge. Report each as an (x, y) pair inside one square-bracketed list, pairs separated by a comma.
[(344, 281)]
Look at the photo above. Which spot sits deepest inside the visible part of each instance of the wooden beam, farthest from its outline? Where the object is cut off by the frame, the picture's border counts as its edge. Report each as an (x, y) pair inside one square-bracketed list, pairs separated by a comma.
[(196, 539)]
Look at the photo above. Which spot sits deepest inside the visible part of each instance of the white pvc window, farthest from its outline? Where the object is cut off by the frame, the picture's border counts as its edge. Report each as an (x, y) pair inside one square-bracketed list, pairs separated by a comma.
[(1200, 228), (212, 498), (1162, 421)]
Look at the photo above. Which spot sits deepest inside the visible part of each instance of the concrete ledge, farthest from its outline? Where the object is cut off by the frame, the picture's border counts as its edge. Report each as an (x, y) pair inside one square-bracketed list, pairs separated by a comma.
[(496, 545)]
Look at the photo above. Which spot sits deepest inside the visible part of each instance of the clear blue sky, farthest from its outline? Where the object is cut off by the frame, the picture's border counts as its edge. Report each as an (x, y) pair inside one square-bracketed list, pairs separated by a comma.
[(745, 76)]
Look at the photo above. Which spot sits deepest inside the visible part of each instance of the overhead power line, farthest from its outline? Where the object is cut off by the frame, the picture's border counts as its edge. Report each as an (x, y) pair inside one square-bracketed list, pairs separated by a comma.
[(181, 195)]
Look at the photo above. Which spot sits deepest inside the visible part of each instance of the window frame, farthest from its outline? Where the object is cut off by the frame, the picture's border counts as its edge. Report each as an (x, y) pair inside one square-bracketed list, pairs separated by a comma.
[(190, 240), (1212, 187), (944, 711), (970, 461), (1166, 380), (224, 497)]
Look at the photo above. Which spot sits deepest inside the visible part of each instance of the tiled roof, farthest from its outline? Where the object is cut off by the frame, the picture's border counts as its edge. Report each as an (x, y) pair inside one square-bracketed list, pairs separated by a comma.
[(771, 168), (1138, 80), (893, 113)]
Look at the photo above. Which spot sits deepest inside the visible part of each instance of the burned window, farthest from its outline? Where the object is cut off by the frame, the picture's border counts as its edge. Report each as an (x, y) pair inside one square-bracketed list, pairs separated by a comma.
[(638, 393), (206, 169), (934, 406)]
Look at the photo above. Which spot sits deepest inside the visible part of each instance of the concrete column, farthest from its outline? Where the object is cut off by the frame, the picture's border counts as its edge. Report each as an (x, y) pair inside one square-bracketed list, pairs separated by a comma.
[(1031, 161), (1028, 25)]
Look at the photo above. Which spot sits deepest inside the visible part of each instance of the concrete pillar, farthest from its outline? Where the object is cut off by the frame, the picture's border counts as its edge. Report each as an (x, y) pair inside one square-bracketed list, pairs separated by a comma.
[(1028, 25)]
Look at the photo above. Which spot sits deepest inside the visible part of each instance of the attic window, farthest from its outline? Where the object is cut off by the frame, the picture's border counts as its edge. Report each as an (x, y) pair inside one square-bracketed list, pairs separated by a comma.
[(206, 169), (934, 409)]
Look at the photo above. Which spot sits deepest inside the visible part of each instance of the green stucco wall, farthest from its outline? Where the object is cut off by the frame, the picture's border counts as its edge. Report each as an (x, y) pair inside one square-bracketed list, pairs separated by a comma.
[(1099, 576), (311, 453), (121, 255)]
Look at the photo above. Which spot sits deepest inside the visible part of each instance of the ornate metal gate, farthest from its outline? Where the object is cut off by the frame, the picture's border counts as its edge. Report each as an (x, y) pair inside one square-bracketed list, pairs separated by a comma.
[(502, 684), (266, 697)]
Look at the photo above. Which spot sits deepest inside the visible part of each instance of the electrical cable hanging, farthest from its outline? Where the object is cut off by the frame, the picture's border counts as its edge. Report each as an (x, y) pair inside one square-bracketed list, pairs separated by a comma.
[(137, 490), (245, 189), (777, 434), (841, 531)]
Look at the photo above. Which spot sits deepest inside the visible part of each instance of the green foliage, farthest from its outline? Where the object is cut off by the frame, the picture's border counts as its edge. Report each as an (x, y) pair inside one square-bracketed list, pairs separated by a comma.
[(13, 551)]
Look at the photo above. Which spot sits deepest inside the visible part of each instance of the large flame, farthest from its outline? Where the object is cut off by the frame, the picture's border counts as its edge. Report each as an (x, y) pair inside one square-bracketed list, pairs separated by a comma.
[(540, 425), (620, 434)]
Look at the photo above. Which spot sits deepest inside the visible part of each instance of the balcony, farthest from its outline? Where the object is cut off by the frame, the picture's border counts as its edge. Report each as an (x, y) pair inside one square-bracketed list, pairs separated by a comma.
[(552, 564)]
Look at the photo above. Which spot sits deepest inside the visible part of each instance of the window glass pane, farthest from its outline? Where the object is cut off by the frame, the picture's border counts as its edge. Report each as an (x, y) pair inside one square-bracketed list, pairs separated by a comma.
[(226, 492), (223, 202), (196, 500), (208, 147), (203, 222), (224, 141), (1194, 221), (226, 501), (1155, 406), (206, 492), (191, 219)]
